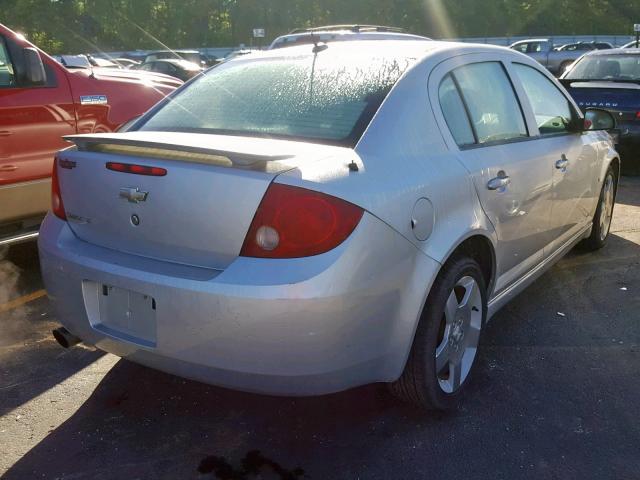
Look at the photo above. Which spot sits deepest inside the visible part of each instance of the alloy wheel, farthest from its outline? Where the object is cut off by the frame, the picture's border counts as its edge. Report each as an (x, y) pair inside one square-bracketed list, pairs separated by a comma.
[(459, 334), (606, 207)]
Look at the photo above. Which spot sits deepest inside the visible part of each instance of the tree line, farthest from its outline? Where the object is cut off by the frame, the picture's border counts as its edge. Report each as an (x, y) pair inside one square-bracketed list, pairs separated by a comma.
[(73, 26)]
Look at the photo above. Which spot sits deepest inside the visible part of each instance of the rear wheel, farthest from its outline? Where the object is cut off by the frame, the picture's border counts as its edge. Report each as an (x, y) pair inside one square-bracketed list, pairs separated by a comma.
[(446, 342), (604, 213)]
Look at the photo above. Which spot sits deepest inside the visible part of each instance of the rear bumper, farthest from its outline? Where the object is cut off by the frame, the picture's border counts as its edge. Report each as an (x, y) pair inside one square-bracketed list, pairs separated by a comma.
[(292, 327), (629, 149)]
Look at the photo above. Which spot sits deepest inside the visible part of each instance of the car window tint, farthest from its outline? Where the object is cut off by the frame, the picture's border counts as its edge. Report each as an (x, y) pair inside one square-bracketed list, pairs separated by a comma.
[(521, 48), (535, 47), (551, 108), (493, 106), (454, 112), (7, 75)]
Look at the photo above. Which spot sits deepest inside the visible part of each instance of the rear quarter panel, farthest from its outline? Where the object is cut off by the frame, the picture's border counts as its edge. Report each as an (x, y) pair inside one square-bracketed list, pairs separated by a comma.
[(402, 158)]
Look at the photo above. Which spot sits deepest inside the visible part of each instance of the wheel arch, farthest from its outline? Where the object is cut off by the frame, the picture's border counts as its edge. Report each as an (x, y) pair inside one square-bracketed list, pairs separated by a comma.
[(480, 246), (615, 164), (611, 159)]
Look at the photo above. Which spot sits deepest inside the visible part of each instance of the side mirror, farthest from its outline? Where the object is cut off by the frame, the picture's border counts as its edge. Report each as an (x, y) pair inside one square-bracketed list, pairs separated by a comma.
[(596, 119), (34, 68)]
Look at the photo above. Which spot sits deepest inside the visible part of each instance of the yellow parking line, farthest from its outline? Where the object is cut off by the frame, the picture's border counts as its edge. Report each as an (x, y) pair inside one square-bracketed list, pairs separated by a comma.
[(5, 307)]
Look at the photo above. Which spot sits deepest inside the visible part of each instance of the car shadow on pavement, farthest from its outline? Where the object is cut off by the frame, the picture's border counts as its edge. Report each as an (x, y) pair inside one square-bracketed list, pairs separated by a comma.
[(549, 400), (32, 369), (31, 361), (141, 423), (629, 191)]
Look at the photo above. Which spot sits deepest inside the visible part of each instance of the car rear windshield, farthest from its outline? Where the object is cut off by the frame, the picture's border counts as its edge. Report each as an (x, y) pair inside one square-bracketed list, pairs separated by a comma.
[(321, 98), (607, 67)]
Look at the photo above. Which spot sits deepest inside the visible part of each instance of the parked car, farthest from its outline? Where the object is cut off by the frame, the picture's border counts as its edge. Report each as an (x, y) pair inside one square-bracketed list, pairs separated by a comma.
[(584, 46), (609, 79), (126, 62), (193, 56), (176, 68), (102, 62), (40, 101), (239, 53), (543, 50), (300, 222), (341, 33), (632, 44)]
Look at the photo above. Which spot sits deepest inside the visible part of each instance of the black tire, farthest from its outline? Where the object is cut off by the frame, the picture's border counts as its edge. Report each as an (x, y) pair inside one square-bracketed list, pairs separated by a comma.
[(598, 238), (419, 382)]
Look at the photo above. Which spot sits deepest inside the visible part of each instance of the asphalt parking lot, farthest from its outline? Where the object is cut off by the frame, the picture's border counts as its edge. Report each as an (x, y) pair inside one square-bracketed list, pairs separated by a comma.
[(555, 396)]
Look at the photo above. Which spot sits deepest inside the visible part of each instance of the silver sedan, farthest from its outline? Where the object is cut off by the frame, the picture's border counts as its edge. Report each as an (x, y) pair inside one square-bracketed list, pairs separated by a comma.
[(310, 219)]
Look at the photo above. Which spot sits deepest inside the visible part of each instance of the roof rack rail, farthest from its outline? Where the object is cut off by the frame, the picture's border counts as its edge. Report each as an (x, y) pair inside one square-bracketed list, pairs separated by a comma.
[(352, 28)]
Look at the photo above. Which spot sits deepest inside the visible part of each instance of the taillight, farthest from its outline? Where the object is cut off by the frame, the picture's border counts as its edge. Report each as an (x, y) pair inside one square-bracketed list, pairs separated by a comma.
[(295, 222), (57, 207), (637, 115)]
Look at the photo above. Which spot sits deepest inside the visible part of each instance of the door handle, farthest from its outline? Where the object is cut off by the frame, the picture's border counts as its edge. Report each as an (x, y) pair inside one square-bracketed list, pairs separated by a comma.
[(8, 168), (562, 163), (501, 181), (5, 133)]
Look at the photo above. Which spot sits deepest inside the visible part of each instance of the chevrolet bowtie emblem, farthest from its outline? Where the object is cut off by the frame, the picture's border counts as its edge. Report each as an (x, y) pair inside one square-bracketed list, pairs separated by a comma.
[(134, 195)]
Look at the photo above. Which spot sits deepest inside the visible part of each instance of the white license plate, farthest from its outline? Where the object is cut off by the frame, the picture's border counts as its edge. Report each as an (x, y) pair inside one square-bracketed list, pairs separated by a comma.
[(124, 314)]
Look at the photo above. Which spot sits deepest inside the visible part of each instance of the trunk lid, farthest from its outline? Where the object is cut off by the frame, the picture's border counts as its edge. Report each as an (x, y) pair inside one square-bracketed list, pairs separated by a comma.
[(197, 214), (621, 98)]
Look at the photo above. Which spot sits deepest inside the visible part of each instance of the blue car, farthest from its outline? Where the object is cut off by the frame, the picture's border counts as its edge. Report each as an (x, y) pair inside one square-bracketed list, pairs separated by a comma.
[(610, 80)]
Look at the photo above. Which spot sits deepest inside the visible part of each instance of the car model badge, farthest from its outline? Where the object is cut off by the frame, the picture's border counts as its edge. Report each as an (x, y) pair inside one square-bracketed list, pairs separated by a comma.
[(93, 99), (68, 164), (134, 195)]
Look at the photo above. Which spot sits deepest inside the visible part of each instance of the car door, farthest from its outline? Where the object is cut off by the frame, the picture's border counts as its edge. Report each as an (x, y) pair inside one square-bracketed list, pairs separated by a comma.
[(33, 118), (571, 154), (483, 121)]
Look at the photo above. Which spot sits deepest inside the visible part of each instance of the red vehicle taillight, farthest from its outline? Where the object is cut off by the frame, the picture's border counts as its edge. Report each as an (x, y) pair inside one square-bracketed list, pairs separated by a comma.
[(57, 207), (295, 222)]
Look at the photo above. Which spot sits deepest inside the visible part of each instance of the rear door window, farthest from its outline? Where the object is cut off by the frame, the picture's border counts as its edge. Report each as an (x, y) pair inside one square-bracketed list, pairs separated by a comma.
[(454, 112), (491, 102)]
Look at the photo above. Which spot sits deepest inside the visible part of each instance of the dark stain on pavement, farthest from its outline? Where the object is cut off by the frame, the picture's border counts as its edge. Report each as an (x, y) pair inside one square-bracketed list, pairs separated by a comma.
[(253, 464)]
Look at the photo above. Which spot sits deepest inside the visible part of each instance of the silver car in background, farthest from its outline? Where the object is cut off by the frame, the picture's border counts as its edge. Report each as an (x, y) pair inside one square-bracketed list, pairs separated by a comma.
[(305, 220)]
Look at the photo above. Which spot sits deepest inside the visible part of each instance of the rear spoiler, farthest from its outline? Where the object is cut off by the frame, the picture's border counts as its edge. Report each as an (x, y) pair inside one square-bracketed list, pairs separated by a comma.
[(217, 150), (577, 83)]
